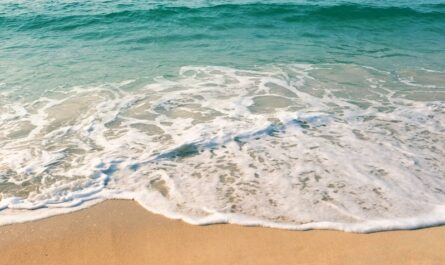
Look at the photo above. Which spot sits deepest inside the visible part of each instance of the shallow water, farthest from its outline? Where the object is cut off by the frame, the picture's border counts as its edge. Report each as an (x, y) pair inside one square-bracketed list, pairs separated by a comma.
[(290, 115)]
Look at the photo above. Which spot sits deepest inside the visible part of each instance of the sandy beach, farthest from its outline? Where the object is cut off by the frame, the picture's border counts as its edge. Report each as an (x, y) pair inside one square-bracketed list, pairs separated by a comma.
[(122, 232)]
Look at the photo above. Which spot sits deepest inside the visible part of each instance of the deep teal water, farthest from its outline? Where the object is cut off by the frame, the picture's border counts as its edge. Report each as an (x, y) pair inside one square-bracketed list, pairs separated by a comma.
[(46, 44)]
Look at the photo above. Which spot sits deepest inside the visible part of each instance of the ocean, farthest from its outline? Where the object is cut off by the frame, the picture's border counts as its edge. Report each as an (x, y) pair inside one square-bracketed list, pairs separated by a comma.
[(287, 114)]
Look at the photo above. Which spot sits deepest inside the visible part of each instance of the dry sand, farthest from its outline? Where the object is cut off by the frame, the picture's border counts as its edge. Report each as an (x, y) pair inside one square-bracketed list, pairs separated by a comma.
[(122, 232)]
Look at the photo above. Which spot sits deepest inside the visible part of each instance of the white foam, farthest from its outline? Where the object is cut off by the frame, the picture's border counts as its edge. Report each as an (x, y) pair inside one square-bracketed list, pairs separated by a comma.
[(286, 146)]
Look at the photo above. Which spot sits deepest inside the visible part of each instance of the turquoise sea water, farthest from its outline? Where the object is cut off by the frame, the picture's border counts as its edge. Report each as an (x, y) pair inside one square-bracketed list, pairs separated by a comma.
[(68, 43), (290, 114)]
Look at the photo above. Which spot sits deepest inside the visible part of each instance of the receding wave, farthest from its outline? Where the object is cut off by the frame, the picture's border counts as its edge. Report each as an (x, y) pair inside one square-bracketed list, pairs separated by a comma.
[(344, 147)]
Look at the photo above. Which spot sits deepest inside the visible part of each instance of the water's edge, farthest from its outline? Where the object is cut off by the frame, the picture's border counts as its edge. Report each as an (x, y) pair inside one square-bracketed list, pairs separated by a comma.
[(405, 225)]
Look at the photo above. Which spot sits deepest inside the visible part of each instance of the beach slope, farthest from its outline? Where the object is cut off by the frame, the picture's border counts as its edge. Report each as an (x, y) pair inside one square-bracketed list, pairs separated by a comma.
[(122, 232)]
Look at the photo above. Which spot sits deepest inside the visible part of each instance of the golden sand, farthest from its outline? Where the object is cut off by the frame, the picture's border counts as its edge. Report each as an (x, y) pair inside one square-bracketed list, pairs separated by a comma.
[(122, 232)]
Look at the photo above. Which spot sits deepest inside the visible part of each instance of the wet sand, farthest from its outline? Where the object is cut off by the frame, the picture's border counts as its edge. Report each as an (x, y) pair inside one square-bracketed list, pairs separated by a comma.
[(122, 232)]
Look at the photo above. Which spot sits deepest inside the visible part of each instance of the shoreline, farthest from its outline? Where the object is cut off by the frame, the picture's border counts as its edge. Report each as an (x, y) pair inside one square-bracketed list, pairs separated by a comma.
[(122, 232), (373, 226)]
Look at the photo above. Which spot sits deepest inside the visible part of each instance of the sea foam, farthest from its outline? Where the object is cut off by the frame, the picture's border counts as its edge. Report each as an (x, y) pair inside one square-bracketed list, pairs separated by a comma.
[(342, 147)]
